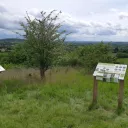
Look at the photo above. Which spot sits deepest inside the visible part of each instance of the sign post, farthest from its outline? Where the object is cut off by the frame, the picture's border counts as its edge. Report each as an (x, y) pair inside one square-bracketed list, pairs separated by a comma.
[(121, 91), (110, 73), (95, 89)]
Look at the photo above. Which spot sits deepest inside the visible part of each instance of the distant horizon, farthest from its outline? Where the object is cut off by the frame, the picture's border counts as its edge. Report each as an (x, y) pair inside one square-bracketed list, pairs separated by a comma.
[(68, 40)]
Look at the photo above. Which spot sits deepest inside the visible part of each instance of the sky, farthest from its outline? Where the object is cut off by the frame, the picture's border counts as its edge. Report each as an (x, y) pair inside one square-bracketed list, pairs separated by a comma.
[(87, 20)]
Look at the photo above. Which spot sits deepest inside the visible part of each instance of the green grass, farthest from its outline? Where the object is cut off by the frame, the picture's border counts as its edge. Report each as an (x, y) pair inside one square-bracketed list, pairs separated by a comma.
[(61, 102), (123, 60)]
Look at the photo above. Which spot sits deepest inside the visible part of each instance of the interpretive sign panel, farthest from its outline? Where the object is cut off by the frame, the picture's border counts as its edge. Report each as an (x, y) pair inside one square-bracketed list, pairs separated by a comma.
[(110, 72)]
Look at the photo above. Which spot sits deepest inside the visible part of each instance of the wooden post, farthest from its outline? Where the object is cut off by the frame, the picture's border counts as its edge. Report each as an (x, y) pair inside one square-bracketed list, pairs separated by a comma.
[(95, 89), (121, 91)]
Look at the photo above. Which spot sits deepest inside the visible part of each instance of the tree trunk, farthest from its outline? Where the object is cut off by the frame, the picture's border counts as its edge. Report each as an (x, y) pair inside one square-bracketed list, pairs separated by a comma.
[(42, 73)]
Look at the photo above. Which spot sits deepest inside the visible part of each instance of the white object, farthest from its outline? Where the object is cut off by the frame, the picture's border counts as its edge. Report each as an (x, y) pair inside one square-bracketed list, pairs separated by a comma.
[(110, 72), (1, 69), (99, 78), (108, 78), (116, 78)]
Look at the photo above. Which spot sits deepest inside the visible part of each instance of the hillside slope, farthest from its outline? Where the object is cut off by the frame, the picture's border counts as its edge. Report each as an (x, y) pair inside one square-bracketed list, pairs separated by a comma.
[(62, 102)]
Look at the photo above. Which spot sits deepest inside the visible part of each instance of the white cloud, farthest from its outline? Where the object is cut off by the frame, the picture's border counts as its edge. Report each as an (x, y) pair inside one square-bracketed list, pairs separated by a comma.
[(123, 15), (9, 21), (99, 25), (80, 27), (2, 8), (34, 12), (113, 10)]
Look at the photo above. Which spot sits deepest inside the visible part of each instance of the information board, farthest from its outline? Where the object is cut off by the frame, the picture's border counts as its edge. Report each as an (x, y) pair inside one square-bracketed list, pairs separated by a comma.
[(110, 72), (1, 69)]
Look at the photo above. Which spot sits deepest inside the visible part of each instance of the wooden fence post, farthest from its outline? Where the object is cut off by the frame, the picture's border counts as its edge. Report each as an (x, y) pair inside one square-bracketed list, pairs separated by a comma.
[(121, 91), (95, 89)]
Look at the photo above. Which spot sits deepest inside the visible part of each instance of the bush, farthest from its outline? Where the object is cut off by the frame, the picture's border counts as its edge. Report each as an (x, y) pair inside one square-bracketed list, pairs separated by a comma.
[(90, 55), (4, 58), (87, 56)]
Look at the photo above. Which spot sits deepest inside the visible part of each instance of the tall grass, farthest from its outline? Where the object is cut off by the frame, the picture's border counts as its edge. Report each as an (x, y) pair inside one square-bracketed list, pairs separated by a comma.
[(61, 102)]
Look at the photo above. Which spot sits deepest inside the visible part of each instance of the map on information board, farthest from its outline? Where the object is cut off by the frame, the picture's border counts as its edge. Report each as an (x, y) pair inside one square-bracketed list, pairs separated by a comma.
[(1, 69), (110, 72)]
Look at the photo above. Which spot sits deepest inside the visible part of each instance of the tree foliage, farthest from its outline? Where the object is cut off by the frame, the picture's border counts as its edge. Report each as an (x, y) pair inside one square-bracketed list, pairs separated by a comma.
[(90, 55), (87, 56), (43, 40)]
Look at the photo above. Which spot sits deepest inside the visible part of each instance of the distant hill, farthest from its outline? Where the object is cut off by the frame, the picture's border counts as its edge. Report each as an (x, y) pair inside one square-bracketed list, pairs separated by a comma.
[(6, 44), (95, 42), (99, 42), (86, 42), (15, 40), (11, 40)]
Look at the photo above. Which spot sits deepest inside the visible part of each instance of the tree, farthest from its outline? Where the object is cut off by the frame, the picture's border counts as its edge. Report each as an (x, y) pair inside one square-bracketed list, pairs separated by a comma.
[(116, 49), (43, 40), (90, 55)]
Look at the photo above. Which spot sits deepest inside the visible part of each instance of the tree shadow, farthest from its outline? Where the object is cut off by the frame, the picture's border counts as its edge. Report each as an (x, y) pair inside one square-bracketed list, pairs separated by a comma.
[(119, 111), (93, 106)]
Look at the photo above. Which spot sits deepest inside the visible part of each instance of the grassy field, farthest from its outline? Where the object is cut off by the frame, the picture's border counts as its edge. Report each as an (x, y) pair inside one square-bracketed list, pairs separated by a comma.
[(123, 60), (62, 101)]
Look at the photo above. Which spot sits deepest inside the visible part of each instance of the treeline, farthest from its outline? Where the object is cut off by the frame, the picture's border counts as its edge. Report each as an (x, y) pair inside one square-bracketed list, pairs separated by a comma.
[(121, 51), (7, 44), (86, 56)]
